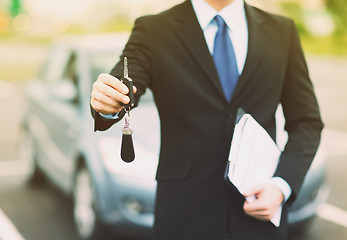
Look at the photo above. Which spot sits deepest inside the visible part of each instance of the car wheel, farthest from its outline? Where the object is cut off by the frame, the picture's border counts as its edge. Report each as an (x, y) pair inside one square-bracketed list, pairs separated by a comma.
[(86, 217), (27, 157)]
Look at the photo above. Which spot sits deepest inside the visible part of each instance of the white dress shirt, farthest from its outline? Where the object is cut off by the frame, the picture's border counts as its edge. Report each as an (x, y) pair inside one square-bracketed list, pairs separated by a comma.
[(234, 16)]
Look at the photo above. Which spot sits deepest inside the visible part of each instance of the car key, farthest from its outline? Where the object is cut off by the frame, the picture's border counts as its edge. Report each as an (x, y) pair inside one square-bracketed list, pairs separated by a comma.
[(129, 83), (127, 147)]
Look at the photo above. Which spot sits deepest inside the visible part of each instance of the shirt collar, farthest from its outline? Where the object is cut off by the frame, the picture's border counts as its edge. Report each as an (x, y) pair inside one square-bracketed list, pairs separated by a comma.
[(232, 13)]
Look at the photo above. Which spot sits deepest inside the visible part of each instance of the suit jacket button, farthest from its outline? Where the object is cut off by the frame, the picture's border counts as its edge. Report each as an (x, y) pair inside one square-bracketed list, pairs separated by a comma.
[(231, 116)]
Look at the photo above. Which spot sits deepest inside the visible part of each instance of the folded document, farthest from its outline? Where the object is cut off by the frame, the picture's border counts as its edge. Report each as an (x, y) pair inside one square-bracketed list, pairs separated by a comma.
[(253, 157)]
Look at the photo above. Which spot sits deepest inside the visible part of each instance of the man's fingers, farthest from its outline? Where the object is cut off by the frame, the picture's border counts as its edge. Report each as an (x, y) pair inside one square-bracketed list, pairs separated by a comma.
[(110, 92), (263, 217), (259, 210), (256, 206), (253, 191), (269, 198), (104, 108), (113, 82), (105, 99), (115, 87)]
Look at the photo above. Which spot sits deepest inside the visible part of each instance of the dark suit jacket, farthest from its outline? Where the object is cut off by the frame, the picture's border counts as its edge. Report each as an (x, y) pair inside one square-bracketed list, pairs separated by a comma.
[(168, 53)]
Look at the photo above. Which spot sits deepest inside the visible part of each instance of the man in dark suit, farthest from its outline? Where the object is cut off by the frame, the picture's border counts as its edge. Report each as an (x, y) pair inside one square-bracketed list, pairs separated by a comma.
[(179, 54)]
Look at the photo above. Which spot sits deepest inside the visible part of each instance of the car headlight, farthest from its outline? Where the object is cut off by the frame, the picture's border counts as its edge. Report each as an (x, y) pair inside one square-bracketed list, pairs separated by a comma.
[(134, 205), (144, 165)]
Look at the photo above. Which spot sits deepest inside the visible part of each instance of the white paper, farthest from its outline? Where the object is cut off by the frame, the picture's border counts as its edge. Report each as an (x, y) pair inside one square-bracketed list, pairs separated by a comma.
[(253, 157)]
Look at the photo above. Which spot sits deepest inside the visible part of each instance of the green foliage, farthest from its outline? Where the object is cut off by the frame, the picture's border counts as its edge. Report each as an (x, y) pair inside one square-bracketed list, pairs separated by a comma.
[(335, 45), (294, 11), (338, 9), (328, 46), (117, 24), (15, 7)]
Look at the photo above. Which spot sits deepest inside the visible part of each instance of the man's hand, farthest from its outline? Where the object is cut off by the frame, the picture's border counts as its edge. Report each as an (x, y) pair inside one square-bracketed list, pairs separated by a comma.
[(108, 93), (268, 199)]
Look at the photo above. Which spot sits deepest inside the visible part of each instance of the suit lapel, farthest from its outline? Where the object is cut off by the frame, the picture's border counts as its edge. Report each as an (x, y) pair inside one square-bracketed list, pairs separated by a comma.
[(191, 35), (257, 41)]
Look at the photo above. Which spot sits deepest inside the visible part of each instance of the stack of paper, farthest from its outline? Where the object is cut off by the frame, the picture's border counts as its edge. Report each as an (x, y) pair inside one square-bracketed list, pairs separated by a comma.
[(253, 157)]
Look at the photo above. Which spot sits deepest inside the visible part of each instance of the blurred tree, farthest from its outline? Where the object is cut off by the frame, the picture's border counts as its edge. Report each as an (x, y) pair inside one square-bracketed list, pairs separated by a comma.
[(339, 10), (15, 7), (294, 10)]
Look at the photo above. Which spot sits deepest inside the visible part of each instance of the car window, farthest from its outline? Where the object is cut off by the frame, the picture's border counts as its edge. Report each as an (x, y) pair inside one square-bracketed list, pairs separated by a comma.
[(101, 62), (65, 89), (54, 65), (71, 75), (70, 71)]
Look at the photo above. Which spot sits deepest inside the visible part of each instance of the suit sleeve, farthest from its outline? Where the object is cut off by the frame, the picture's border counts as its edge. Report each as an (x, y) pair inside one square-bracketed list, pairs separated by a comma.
[(137, 50), (303, 121), (101, 123)]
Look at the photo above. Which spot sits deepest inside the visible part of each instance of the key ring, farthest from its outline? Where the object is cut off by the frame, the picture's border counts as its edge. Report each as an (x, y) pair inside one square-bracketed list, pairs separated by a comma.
[(127, 118)]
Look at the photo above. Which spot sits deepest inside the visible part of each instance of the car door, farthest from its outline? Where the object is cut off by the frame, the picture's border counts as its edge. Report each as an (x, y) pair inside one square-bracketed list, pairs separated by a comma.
[(57, 114)]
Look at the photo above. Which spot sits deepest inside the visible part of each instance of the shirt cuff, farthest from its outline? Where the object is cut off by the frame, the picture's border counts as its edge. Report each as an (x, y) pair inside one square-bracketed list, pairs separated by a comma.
[(283, 186), (110, 116)]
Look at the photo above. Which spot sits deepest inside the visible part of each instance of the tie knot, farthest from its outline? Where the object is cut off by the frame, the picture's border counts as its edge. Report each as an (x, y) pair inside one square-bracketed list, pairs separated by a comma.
[(219, 20)]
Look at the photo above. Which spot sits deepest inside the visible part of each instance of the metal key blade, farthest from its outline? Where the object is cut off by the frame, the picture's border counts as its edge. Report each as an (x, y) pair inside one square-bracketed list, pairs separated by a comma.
[(126, 74)]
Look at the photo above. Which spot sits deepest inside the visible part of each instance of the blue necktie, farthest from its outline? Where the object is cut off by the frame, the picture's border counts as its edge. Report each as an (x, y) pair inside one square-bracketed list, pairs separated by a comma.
[(224, 59)]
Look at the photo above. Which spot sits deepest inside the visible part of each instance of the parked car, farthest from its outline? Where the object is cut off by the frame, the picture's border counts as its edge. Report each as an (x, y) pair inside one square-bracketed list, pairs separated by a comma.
[(58, 141)]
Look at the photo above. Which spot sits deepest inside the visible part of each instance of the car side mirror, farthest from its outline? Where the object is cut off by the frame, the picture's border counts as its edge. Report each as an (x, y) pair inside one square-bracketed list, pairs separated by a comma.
[(64, 90)]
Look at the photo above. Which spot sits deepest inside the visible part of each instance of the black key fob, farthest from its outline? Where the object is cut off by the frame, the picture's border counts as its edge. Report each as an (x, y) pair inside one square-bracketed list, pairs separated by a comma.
[(127, 147), (129, 83)]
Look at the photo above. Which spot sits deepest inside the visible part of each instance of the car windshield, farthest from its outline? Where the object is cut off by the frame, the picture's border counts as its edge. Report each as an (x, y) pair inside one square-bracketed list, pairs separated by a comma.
[(102, 62)]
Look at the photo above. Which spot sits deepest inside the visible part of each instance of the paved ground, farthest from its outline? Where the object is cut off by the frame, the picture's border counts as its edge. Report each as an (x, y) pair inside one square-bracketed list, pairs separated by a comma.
[(35, 213)]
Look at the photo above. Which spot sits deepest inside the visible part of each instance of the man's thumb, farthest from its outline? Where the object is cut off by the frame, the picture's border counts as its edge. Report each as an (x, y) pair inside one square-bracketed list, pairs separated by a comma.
[(253, 191)]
